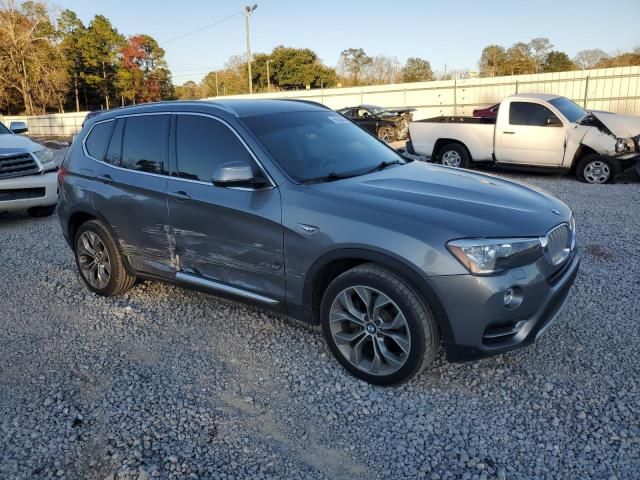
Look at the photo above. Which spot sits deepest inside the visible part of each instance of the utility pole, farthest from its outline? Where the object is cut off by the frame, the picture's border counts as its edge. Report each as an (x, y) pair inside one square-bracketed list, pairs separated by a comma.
[(248, 11), (268, 77)]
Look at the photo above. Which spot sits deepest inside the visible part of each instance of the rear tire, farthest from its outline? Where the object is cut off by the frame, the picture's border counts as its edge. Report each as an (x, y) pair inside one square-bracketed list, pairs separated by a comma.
[(454, 155), (597, 169), (387, 339), (39, 212), (99, 261)]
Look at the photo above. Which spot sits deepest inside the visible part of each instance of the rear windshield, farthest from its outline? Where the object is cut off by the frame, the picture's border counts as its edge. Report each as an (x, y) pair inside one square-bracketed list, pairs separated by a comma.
[(312, 145), (571, 110)]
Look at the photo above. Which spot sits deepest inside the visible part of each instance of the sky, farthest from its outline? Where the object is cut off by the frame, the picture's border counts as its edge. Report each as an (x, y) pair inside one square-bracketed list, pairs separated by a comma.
[(451, 33)]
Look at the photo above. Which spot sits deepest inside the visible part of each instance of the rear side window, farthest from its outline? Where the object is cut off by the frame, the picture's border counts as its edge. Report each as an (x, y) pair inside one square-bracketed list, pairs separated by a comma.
[(527, 113), (144, 143), (202, 144), (98, 138)]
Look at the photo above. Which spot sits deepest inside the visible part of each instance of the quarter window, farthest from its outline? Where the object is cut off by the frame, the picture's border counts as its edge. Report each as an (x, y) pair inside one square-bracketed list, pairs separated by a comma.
[(202, 144), (96, 142), (144, 143), (527, 113), (114, 151)]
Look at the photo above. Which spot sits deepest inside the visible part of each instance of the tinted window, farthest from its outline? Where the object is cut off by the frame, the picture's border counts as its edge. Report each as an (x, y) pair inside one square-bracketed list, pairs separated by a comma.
[(144, 143), (202, 144), (312, 145), (96, 142), (526, 113), (115, 146), (569, 109), (4, 130)]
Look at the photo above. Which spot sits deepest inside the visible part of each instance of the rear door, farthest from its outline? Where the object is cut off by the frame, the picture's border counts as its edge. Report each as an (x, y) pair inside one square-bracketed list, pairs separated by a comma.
[(131, 195), (231, 236), (526, 137)]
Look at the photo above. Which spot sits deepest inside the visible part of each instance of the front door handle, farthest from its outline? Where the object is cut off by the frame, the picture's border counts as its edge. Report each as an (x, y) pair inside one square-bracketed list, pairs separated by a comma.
[(510, 133), (106, 178), (181, 196)]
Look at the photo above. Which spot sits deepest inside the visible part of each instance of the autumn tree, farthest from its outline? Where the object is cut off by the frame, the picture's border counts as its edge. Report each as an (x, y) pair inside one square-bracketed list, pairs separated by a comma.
[(493, 61), (352, 64), (416, 70), (627, 59)]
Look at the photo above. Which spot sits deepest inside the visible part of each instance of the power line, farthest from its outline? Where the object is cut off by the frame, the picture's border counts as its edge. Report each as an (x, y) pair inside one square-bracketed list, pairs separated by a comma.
[(202, 28)]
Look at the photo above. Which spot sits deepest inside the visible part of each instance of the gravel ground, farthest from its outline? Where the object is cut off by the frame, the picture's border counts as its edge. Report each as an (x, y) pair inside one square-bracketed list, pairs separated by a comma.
[(170, 383)]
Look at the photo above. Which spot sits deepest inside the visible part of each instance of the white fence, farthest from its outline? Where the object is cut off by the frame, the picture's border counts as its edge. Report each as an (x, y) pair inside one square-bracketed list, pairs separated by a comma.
[(613, 89)]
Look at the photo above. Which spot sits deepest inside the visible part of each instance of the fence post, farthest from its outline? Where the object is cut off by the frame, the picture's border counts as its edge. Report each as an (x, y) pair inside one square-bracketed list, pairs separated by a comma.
[(586, 92), (517, 86), (455, 96)]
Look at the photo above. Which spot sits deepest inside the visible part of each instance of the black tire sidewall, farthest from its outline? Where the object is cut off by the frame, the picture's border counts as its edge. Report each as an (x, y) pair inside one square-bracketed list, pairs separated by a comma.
[(114, 257), (455, 147), (418, 340)]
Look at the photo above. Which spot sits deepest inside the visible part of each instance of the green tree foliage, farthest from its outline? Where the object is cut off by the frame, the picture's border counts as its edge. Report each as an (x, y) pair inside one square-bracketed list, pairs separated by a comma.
[(352, 65), (292, 69), (416, 70), (558, 62)]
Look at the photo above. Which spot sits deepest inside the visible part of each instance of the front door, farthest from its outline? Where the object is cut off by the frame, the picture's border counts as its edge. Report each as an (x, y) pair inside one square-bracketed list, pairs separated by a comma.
[(531, 135), (230, 236), (367, 120)]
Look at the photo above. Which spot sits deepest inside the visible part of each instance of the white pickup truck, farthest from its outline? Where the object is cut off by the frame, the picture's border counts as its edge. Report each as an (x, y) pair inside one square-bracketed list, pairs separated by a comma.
[(534, 130)]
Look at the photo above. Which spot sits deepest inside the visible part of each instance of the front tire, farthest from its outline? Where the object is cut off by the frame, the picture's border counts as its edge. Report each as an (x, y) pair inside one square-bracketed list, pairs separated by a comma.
[(454, 155), (99, 261), (377, 326), (597, 169)]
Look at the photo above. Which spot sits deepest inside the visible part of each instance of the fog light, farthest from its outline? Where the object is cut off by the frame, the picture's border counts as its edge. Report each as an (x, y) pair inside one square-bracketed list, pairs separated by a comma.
[(508, 297)]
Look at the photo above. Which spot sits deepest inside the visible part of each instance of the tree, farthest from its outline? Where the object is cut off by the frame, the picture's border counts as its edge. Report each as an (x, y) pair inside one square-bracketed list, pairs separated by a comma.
[(382, 70), (520, 59), (101, 47), (352, 64), (627, 59), (586, 59), (188, 91), (540, 47), (71, 30), (416, 70), (493, 61), (292, 68), (558, 62)]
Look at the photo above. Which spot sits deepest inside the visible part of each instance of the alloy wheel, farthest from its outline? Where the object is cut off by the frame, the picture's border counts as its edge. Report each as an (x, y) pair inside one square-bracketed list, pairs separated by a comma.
[(451, 158), (370, 330), (93, 259), (597, 171)]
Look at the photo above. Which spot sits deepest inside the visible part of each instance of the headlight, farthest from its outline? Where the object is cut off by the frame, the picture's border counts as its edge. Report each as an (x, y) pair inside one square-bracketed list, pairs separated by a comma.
[(625, 145), (490, 255), (45, 157)]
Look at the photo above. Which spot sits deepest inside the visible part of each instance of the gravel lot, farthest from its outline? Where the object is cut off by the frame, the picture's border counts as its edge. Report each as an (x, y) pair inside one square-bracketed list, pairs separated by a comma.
[(170, 383)]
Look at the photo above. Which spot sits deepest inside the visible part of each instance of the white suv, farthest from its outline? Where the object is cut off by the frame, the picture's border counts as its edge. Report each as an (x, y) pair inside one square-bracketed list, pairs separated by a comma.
[(27, 173)]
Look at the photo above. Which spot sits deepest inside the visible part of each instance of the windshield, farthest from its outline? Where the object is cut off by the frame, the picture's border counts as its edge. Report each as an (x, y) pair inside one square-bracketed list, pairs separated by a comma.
[(571, 110), (376, 110), (4, 130), (314, 145)]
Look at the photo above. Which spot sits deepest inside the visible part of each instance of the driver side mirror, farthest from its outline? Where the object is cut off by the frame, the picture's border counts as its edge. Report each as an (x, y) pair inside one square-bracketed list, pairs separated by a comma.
[(18, 127), (553, 122), (237, 174)]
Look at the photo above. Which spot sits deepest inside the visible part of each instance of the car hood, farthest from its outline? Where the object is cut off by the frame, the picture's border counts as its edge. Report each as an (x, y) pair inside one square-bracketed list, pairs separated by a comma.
[(458, 202), (11, 144), (622, 126)]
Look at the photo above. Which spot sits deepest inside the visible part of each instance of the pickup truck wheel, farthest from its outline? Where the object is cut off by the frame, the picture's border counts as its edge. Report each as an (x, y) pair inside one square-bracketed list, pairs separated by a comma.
[(99, 261), (387, 134), (377, 326), (38, 212), (598, 169), (454, 155)]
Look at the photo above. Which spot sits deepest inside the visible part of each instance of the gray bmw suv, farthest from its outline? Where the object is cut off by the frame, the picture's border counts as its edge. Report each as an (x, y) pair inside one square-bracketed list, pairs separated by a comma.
[(290, 206)]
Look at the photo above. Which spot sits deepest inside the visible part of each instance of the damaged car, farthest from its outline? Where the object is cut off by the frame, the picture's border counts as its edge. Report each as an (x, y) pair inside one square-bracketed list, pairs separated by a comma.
[(534, 130), (388, 124)]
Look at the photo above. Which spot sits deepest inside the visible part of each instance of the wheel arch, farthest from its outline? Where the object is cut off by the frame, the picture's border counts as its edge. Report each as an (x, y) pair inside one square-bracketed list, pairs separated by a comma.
[(581, 152), (442, 142), (338, 261)]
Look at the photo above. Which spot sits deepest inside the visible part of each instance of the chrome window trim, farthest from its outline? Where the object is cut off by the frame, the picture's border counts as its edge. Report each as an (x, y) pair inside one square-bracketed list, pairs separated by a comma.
[(255, 159)]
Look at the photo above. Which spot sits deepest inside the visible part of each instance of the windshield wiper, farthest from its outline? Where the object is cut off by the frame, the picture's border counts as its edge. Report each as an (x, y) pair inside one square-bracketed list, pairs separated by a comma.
[(383, 165), (330, 177)]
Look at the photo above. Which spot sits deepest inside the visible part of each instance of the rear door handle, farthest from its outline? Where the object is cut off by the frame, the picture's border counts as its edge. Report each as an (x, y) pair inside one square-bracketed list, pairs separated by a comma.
[(106, 178), (510, 133), (181, 196)]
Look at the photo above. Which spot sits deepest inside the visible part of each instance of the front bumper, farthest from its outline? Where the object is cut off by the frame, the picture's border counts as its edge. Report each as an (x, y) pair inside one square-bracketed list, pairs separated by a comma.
[(480, 323), (21, 193)]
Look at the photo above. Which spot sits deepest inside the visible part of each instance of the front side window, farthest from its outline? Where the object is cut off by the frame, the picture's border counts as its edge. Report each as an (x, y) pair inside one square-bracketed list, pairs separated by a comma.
[(531, 114), (4, 130), (203, 144), (98, 138), (311, 145), (144, 143)]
